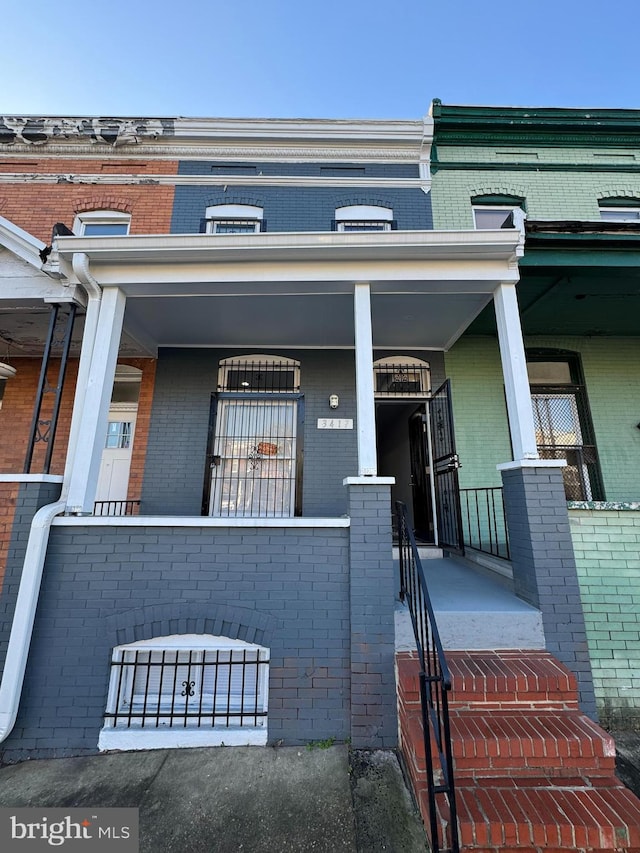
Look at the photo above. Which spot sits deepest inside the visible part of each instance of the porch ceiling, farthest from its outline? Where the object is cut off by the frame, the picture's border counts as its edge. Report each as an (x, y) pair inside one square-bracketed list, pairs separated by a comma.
[(577, 301)]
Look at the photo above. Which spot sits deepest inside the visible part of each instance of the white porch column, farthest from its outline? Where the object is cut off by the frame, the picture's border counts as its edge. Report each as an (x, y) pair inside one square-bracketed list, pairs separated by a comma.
[(514, 369), (93, 423), (365, 403)]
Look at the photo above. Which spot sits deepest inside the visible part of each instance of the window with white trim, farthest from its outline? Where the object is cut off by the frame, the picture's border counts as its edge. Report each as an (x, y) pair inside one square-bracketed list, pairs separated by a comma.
[(186, 689), (619, 210), (364, 217), (497, 211), (234, 219), (101, 223)]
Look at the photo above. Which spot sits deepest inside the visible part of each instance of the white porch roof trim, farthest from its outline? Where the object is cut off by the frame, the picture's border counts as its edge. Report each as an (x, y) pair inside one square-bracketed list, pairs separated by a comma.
[(21, 243)]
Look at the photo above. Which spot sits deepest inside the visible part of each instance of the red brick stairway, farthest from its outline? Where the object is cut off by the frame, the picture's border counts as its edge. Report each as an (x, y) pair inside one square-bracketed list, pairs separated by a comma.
[(532, 772)]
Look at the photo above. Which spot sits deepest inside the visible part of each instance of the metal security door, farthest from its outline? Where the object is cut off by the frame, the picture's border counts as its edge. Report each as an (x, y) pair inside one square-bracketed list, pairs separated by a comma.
[(445, 469), (254, 458), (420, 484)]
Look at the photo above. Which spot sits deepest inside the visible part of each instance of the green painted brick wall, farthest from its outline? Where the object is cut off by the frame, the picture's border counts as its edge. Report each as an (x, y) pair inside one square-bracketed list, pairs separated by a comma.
[(612, 373), (607, 550), (549, 194)]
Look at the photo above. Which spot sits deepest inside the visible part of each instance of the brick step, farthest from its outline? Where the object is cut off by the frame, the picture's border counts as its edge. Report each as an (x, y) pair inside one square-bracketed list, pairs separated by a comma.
[(508, 814), (496, 680), (565, 743)]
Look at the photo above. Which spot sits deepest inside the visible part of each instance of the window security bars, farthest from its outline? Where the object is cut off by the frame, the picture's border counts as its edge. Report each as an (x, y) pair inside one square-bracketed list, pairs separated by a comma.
[(581, 470), (484, 521), (116, 508), (254, 458), (246, 376), (234, 226), (561, 422), (364, 225), (400, 380), (435, 684), (171, 688)]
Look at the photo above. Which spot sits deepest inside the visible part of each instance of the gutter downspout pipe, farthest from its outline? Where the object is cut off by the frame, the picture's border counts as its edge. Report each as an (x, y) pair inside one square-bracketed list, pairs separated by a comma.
[(31, 578)]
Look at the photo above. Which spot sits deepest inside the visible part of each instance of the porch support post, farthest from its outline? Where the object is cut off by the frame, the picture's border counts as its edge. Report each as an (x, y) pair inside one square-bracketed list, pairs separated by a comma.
[(374, 719), (93, 423), (514, 369), (365, 403), (544, 564)]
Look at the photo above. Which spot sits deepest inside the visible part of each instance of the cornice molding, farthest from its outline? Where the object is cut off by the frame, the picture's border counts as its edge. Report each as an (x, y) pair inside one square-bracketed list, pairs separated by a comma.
[(213, 180), (323, 139), (216, 151), (536, 166)]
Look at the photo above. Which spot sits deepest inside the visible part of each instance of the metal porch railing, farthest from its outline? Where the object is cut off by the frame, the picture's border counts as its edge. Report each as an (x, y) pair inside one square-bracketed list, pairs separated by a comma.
[(116, 507), (484, 521), (435, 684)]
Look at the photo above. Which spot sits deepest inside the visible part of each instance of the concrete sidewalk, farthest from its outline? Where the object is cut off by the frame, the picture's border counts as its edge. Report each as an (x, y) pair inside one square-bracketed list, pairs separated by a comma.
[(240, 800)]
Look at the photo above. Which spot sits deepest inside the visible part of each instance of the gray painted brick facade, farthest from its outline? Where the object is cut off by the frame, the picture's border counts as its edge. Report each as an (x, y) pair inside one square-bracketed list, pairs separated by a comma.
[(31, 497), (544, 566), (306, 170), (284, 588), (298, 208), (373, 689), (175, 463)]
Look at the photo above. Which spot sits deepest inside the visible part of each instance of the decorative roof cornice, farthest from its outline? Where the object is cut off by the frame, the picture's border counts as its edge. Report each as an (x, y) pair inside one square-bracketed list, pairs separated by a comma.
[(174, 137), (539, 126)]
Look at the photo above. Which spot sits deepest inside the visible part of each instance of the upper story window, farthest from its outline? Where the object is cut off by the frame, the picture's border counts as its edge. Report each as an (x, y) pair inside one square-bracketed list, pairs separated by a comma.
[(497, 211), (620, 209), (101, 223), (235, 219), (364, 217)]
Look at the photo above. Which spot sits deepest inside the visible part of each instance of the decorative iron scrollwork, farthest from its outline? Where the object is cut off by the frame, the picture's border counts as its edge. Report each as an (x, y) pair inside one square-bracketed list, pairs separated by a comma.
[(189, 688)]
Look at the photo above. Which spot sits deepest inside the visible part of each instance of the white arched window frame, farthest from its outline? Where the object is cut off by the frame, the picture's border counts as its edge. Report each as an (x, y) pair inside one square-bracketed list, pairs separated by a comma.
[(401, 376), (364, 217), (234, 219), (102, 223), (186, 690)]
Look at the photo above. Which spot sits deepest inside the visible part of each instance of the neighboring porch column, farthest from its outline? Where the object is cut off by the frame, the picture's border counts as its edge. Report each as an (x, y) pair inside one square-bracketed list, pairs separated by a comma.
[(514, 369), (544, 565), (542, 558), (365, 403), (85, 467)]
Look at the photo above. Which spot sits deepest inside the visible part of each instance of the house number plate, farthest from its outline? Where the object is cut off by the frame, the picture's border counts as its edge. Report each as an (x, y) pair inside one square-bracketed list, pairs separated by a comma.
[(335, 423)]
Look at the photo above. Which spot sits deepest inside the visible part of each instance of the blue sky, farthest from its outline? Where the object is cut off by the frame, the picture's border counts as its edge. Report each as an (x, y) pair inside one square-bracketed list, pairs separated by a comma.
[(333, 59)]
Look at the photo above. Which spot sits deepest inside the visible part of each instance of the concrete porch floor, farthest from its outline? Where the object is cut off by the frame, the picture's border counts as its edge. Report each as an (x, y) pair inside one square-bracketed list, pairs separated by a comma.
[(473, 611)]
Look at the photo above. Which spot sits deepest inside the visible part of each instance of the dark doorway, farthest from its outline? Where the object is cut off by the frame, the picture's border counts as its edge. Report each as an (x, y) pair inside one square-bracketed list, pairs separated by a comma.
[(403, 454), (420, 476)]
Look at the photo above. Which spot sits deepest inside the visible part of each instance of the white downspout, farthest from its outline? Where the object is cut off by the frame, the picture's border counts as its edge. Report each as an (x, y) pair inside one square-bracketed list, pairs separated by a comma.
[(24, 616), (31, 578)]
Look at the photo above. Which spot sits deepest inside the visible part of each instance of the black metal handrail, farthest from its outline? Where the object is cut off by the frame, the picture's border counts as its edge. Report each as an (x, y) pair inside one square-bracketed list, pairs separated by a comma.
[(116, 507), (484, 521), (435, 684)]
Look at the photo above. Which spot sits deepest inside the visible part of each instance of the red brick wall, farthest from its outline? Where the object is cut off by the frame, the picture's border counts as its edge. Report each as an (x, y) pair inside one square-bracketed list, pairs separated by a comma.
[(8, 495), (15, 422), (37, 207)]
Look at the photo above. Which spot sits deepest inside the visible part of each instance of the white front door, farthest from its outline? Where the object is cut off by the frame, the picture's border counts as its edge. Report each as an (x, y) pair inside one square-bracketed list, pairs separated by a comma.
[(113, 480), (254, 458)]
